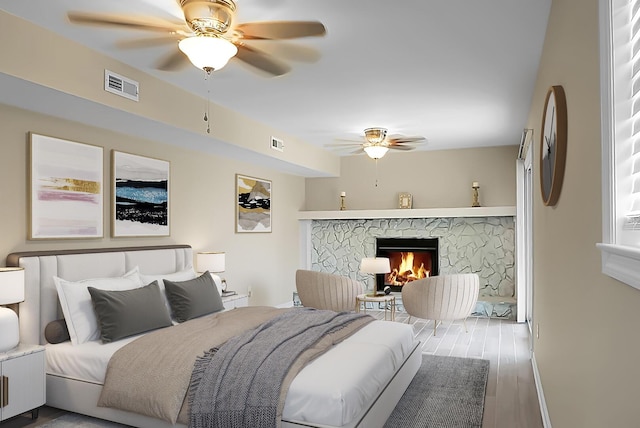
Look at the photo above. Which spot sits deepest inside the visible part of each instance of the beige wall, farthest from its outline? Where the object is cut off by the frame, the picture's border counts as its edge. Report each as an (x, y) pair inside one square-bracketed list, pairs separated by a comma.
[(588, 351), (436, 179), (202, 204)]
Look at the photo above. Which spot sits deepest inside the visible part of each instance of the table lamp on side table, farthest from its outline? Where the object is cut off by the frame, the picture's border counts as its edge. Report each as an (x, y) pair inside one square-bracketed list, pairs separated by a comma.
[(11, 292), (214, 263), (375, 265)]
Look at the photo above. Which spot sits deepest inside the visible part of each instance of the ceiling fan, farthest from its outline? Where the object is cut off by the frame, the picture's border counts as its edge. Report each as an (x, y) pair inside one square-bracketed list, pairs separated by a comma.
[(376, 143), (209, 37)]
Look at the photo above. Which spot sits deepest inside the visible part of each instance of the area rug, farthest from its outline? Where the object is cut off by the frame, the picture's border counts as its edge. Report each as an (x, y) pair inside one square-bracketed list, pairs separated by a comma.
[(447, 392)]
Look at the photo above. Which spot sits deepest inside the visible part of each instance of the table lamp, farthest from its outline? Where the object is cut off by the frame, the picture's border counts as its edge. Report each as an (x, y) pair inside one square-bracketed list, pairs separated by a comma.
[(214, 263), (11, 292), (375, 265)]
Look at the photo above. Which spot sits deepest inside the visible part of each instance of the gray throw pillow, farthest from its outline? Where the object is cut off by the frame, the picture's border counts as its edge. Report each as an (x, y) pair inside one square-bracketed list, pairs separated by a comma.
[(56, 331), (193, 298), (125, 313)]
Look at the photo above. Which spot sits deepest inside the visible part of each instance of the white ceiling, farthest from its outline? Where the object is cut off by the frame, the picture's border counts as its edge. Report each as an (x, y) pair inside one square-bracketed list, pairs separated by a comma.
[(459, 72)]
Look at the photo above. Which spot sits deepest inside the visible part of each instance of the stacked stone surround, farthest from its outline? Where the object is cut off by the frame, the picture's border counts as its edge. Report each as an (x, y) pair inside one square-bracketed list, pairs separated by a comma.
[(481, 245)]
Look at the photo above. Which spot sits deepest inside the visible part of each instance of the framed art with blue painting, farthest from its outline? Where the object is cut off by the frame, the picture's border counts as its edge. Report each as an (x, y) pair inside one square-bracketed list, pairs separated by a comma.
[(65, 189), (140, 195), (253, 204)]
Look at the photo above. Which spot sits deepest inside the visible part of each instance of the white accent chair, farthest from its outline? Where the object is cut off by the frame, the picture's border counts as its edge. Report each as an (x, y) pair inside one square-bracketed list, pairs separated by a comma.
[(322, 290), (443, 297)]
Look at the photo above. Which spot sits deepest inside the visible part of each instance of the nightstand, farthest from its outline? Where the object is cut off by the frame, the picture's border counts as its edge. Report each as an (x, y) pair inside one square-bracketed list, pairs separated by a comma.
[(235, 301), (23, 381)]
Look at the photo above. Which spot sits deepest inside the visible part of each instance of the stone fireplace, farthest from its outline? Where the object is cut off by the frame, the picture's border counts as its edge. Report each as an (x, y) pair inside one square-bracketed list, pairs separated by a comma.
[(410, 259), (470, 240)]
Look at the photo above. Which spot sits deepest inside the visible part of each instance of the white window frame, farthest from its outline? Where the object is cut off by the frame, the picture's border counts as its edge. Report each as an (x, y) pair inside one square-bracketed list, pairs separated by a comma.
[(620, 247)]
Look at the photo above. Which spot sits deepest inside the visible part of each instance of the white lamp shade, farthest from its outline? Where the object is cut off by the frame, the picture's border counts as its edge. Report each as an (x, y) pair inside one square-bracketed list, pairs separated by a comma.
[(376, 151), (212, 262), (375, 265), (208, 51), (11, 285)]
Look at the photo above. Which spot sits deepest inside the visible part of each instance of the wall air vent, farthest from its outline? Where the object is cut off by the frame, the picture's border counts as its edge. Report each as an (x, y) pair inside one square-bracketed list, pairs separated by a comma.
[(120, 85), (277, 144)]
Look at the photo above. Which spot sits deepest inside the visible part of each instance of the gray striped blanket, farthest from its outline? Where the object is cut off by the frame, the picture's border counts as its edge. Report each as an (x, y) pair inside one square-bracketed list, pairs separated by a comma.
[(244, 382)]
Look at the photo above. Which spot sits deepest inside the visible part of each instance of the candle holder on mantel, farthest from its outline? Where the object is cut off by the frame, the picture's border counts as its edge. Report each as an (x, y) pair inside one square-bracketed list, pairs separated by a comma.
[(343, 207), (475, 201)]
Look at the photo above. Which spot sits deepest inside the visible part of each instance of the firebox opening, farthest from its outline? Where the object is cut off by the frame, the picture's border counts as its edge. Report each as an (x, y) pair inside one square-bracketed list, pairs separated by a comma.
[(410, 259)]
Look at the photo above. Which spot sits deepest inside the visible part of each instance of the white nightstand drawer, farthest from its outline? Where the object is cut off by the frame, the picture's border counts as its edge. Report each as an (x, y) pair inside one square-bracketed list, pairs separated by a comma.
[(23, 380)]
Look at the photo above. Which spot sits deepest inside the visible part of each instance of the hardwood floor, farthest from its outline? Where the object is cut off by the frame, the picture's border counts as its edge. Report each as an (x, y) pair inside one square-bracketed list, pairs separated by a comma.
[(511, 400)]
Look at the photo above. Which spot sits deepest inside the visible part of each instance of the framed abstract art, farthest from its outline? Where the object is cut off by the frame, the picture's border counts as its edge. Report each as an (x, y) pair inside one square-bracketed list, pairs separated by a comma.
[(65, 189), (140, 195), (253, 204)]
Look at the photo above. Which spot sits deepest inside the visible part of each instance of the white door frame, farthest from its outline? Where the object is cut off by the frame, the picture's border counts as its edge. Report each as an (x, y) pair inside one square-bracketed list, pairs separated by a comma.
[(524, 236)]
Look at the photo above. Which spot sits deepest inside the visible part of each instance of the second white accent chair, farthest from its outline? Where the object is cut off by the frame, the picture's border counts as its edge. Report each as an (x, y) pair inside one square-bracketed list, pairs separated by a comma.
[(442, 297)]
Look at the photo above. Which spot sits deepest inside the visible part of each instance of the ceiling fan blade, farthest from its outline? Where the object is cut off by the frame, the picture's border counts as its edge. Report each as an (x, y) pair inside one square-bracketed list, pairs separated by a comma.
[(357, 152), (288, 50), (139, 23), (281, 30), (175, 61), (405, 148), (261, 61), (401, 140), (147, 42)]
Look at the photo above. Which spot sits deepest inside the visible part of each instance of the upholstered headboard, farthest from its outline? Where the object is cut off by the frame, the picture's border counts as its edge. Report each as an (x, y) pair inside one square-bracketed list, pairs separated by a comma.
[(41, 299)]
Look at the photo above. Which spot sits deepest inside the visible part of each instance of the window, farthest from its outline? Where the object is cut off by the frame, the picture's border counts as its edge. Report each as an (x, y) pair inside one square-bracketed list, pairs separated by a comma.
[(620, 98)]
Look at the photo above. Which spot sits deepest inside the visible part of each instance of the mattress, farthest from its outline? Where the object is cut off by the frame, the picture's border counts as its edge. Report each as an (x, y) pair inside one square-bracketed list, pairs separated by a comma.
[(331, 390)]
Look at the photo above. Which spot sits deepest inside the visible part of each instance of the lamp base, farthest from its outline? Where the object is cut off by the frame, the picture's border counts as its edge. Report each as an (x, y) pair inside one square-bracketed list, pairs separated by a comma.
[(9, 330)]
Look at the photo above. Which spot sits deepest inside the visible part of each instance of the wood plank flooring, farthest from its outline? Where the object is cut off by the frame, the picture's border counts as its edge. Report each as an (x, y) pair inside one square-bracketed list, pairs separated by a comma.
[(511, 399)]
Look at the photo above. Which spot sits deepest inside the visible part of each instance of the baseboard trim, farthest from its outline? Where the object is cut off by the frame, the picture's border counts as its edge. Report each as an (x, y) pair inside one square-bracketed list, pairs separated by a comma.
[(546, 421)]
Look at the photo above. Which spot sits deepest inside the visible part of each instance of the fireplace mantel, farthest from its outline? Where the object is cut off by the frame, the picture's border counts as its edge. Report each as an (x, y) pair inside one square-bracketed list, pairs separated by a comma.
[(409, 213)]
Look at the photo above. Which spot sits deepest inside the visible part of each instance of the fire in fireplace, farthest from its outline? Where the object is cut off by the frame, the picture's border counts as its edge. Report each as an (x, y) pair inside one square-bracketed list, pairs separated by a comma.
[(410, 259)]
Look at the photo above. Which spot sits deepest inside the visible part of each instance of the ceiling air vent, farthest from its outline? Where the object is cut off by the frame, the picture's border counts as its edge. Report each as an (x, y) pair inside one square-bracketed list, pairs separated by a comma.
[(277, 144), (120, 85)]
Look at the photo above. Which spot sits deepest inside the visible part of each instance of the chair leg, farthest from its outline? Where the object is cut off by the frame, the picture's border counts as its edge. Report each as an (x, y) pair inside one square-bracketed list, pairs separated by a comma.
[(464, 322), (435, 325), (409, 320)]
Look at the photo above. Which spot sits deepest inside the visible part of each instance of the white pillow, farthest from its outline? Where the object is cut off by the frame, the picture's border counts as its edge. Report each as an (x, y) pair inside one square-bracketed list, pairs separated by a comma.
[(77, 308), (183, 275)]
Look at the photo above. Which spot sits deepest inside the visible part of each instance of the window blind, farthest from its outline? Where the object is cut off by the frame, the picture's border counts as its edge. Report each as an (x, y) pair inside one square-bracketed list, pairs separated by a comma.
[(634, 212)]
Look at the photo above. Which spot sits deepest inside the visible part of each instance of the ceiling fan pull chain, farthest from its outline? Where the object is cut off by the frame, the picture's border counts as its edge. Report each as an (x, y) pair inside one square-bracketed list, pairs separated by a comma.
[(376, 172), (207, 113)]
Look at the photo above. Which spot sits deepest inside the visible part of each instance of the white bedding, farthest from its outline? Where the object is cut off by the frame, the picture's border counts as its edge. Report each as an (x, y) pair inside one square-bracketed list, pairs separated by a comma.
[(331, 390)]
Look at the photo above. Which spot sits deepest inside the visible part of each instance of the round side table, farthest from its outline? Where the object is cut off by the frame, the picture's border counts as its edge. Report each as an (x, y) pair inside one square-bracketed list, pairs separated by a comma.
[(389, 301)]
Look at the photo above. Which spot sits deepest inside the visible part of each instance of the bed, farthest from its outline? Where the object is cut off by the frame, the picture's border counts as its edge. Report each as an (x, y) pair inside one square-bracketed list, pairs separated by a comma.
[(76, 374)]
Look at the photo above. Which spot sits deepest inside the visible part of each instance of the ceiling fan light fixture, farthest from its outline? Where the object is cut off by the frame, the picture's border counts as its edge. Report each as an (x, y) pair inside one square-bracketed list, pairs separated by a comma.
[(208, 16), (208, 52), (375, 135), (376, 151)]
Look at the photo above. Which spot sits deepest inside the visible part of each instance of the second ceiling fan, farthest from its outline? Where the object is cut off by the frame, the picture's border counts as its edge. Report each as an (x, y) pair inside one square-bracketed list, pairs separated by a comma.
[(209, 37), (377, 143)]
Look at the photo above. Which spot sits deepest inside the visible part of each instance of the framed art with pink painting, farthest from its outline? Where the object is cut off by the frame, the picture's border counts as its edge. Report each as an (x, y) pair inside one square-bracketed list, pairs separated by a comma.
[(65, 189)]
